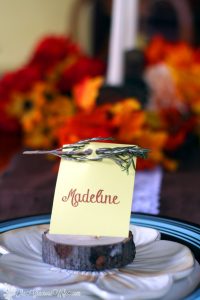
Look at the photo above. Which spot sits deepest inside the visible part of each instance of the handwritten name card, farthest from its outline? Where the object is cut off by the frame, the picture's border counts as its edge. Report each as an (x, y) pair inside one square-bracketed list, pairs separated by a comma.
[(93, 197)]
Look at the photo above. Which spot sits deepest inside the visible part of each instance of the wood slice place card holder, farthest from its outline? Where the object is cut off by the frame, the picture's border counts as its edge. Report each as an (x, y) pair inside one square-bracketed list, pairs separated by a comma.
[(89, 228), (87, 253)]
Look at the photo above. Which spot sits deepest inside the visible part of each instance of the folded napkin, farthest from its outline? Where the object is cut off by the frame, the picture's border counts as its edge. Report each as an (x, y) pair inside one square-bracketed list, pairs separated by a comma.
[(146, 194)]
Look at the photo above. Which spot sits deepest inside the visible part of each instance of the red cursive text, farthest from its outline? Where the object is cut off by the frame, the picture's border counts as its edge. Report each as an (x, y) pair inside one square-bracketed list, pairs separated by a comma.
[(101, 198)]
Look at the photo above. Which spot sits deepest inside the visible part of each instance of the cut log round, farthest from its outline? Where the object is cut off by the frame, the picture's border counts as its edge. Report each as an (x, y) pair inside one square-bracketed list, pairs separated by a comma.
[(86, 253)]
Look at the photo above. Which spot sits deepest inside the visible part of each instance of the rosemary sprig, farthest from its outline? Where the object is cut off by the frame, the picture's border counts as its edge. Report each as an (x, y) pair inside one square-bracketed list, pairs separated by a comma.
[(122, 156), (60, 152), (83, 143)]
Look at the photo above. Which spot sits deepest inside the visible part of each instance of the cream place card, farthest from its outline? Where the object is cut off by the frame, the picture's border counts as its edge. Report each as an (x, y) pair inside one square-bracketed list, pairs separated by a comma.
[(93, 197)]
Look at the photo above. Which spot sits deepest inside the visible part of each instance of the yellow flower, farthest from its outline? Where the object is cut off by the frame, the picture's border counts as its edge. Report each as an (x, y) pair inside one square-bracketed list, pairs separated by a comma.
[(124, 109), (40, 137), (27, 108), (58, 111), (41, 112)]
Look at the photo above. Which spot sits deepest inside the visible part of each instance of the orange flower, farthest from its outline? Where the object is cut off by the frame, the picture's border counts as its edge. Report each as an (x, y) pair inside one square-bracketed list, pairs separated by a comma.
[(155, 141), (188, 86), (181, 55), (86, 92), (127, 119), (175, 54), (86, 124)]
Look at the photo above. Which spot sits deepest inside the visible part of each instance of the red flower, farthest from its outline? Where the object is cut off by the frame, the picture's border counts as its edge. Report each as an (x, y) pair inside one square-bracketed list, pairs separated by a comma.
[(52, 50), (177, 125), (156, 50), (82, 68), (19, 81), (7, 123), (86, 125), (145, 164)]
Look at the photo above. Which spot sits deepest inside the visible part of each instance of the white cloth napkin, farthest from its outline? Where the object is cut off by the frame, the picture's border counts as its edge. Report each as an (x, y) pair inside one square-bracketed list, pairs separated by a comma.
[(146, 193)]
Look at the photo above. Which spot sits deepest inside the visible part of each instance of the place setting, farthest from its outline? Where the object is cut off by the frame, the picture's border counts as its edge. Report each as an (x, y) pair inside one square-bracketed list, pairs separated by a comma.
[(99, 150), (90, 247)]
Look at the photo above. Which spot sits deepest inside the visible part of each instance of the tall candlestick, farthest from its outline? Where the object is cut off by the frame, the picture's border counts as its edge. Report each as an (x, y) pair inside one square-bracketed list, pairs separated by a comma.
[(131, 23), (115, 71)]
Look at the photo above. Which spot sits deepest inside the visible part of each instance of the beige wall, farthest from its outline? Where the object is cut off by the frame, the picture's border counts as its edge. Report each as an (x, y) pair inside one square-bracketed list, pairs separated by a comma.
[(23, 22)]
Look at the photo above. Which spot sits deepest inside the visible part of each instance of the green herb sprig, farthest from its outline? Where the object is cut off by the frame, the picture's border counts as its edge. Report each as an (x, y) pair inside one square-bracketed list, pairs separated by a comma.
[(122, 156)]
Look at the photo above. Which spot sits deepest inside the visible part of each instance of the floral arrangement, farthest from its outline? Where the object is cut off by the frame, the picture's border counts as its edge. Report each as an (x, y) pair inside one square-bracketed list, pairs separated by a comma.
[(173, 74), (52, 100), (39, 92)]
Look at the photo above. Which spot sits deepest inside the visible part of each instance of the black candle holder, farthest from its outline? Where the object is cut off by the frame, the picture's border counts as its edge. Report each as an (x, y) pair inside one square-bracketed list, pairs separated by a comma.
[(134, 85)]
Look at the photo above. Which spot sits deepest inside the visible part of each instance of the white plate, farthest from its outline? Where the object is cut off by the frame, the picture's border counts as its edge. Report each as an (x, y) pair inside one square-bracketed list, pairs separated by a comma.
[(161, 270)]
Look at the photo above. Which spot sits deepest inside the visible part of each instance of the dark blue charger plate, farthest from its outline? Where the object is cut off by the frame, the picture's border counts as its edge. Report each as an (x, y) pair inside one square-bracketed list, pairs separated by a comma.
[(171, 229)]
